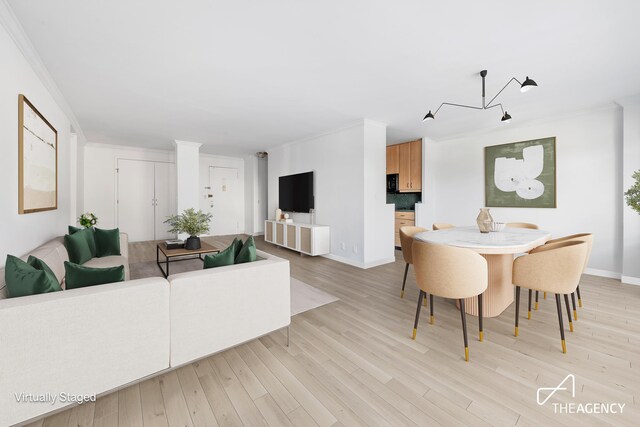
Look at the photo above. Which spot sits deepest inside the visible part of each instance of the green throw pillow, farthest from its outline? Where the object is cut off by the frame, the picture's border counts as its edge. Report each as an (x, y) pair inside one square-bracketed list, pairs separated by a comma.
[(237, 245), (248, 252), (226, 257), (89, 235), (79, 276), (107, 242), (28, 278), (77, 247)]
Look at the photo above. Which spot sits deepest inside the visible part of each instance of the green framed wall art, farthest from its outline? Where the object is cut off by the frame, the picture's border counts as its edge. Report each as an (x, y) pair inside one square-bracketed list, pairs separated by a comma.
[(521, 174)]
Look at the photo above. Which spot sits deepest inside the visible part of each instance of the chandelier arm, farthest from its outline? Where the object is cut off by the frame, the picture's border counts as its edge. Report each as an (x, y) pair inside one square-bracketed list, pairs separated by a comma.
[(496, 105), (456, 105), (505, 86)]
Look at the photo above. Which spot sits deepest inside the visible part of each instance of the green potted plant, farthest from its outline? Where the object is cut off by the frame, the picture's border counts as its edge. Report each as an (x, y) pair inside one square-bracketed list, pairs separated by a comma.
[(192, 223), (88, 220), (632, 195)]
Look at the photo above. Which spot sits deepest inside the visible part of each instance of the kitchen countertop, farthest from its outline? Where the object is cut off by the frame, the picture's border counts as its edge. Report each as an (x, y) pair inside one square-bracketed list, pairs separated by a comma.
[(405, 210)]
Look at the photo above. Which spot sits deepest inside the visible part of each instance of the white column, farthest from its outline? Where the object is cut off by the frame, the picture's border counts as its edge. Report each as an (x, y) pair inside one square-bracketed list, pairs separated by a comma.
[(630, 164), (187, 175)]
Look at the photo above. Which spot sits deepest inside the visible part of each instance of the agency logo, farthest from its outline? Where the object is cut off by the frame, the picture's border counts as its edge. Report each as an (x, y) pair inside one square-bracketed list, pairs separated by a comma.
[(568, 385)]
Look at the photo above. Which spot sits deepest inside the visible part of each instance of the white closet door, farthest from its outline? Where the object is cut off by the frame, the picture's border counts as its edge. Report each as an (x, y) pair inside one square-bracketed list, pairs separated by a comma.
[(226, 203), (165, 187), (136, 199)]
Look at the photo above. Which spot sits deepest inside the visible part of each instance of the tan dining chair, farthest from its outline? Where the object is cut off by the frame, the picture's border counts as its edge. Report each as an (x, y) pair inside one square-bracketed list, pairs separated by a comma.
[(581, 237), (406, 240), (522, 225), (449, 272), (554, 268), (442, 226)]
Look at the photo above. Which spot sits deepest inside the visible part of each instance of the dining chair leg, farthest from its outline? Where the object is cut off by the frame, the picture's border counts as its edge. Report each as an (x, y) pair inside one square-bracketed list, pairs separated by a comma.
[(481, 333), (566, 302), (463, 315), (404, 281), (579, 297), (424, 301), (517, 308), (559, 307), (536, 300), (544, 295), (432, 318), (415, 324), (573, 303), (529, 311)]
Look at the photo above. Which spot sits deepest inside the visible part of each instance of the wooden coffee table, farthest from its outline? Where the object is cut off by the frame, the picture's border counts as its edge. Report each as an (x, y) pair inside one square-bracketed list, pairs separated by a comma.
[(182, 254)]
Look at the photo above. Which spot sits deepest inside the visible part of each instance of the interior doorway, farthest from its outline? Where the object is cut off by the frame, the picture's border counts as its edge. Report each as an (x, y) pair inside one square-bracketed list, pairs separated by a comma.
[(225, 201)]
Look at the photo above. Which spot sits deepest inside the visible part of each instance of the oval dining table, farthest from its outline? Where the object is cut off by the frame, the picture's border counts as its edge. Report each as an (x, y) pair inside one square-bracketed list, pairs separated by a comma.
[(499, 249)]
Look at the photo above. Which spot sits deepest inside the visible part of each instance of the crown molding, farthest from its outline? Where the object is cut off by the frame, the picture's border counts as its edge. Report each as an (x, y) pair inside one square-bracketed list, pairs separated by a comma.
[(13, 27)]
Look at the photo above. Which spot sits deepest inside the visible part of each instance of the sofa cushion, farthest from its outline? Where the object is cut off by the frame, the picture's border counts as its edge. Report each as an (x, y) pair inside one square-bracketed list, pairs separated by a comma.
[(107, 242), (89, 235), (110, 261), (77, 247), (80, 276), (226, 257), (28, 278), (248, 252)]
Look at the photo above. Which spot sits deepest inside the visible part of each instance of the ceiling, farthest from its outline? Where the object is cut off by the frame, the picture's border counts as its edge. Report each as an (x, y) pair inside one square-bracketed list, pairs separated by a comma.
[(242, 76)]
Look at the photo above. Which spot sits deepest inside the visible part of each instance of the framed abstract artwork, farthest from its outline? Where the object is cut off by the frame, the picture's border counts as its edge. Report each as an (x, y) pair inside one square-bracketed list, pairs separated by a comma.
[(521, 174), (37, 160)]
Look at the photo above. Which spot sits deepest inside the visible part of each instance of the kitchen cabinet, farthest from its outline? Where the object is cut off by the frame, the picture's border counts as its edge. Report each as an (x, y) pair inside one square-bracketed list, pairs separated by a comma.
[(402, 219), (408, 157), (393, 159)]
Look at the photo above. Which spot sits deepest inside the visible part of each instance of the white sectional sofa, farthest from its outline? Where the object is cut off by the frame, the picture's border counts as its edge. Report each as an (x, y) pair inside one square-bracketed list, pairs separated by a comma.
[(96, 339)]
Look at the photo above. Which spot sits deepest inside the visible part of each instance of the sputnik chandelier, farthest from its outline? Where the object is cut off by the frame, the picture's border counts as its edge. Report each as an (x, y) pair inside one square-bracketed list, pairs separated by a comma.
[(525, 86)]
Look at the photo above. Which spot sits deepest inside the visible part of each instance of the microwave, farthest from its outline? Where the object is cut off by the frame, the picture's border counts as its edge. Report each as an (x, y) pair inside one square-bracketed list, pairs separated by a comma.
[(392, 183)]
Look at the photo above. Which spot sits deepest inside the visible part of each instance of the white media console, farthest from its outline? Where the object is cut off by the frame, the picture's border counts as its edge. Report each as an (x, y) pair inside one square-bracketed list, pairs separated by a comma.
[(310, 239)]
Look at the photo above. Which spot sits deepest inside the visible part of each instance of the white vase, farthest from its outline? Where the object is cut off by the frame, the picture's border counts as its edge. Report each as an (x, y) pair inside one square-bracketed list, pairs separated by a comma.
[(278, 214), (484, 220)]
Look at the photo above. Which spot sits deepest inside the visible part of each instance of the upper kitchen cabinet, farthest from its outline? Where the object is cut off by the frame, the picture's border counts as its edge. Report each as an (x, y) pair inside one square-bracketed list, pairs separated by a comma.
[(409, 166), (393, 159)]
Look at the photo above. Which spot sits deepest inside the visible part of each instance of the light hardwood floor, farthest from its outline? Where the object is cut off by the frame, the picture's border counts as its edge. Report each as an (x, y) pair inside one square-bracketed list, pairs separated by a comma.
[(353, 362)]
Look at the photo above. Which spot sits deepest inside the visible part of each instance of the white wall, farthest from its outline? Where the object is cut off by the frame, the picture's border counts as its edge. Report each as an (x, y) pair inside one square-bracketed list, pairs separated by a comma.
[(21, 233), (630, 164), (339, 162), (589, 194), (255, 194), (207, 161), (379, 217), (100, 181)]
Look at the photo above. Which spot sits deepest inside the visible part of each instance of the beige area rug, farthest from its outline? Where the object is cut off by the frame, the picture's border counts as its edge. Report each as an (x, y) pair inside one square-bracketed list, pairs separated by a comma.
[(304, 297)]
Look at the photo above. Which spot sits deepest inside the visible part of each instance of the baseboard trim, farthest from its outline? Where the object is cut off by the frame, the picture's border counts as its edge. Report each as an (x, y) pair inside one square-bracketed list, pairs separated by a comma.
[(360, 264), (630, 280), (344, 260), (378, 262), (603, 273)]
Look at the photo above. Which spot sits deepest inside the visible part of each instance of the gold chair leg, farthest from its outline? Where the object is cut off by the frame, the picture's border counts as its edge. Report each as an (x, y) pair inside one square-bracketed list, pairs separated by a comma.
[(415, 324), (566, 301), (537, 300), (544, 295), (579, 297), (432, 318), (559, 307), (463, 316), (517, 310), (573, 303), (404, 281)]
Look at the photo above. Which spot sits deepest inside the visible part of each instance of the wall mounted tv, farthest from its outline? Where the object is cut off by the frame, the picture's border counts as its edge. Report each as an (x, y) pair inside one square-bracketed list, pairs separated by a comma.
[(296, 192)]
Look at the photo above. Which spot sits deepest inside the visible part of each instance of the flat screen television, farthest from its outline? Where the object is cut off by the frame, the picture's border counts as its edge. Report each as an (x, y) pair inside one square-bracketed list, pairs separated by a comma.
[(296, 192)]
